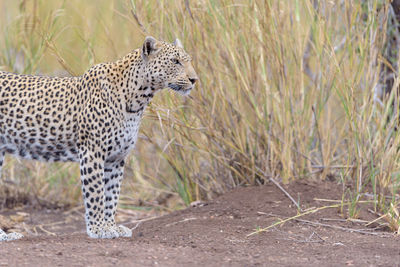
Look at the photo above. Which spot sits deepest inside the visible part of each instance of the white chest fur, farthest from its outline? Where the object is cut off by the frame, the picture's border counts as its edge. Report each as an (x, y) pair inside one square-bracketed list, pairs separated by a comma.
[(126, 137), (131, 131)]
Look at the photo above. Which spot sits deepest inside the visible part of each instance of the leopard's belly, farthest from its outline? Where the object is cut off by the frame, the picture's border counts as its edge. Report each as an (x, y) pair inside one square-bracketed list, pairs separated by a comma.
[(43, 148)]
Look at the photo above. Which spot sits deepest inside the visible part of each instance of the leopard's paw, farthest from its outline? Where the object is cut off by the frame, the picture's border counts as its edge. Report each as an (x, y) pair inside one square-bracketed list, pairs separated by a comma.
[(10, 236), (124, 231), (109, 231), (14, 236)]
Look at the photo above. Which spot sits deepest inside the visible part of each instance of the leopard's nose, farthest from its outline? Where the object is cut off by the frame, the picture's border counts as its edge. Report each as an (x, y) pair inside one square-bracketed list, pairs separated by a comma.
[(193, 80)]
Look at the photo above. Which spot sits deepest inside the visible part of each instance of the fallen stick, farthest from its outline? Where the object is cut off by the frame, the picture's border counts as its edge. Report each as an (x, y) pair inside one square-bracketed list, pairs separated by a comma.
[(295, 218), (286, 193), (351, 230)]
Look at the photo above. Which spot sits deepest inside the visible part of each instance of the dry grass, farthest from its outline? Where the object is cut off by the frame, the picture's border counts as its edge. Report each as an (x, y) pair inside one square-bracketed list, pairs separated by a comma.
[(286, 91)]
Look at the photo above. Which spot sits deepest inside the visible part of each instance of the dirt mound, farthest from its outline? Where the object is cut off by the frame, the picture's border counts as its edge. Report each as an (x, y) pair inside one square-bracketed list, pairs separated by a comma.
[(213, 234)]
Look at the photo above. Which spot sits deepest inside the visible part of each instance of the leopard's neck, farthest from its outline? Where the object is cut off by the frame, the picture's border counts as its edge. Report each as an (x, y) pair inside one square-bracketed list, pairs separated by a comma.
[(136, 90)]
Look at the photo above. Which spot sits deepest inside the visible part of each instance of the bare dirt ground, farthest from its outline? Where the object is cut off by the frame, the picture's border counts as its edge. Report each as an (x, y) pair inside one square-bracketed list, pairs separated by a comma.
[(211, 235)]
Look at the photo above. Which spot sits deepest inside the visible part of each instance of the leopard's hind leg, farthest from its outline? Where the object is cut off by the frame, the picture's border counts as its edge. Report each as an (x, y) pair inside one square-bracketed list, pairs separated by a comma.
[(3, 235)]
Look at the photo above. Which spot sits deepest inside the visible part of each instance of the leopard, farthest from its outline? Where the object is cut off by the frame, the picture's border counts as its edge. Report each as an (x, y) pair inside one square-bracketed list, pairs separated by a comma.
[(92, 119)]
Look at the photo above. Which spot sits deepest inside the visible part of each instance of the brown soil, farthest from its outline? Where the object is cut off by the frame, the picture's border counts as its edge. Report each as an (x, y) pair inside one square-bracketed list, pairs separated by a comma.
[(211, 235)]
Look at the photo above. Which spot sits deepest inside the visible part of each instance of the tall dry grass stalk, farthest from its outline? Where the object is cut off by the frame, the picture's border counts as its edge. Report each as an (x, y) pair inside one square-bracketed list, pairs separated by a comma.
[(286, 91)]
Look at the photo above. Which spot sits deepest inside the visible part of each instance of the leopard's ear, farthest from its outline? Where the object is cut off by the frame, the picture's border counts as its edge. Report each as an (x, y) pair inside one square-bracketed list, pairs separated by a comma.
[(178, 43), (150, 47)]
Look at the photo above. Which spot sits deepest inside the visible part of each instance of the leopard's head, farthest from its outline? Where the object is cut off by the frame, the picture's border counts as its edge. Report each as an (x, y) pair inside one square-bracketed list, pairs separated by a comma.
[(168, 65)]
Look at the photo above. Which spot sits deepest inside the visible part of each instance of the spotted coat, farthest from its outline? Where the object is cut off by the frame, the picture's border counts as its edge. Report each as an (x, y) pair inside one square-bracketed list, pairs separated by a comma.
[(92, 119)]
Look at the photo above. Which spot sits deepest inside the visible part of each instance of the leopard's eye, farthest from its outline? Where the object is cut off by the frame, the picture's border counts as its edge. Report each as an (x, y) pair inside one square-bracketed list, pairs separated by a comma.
[(176, 61)]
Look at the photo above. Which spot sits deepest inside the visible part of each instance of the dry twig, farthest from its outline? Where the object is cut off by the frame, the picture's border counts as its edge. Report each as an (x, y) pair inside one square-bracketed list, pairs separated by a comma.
[(346, 229), (286, 193), (351, 230)]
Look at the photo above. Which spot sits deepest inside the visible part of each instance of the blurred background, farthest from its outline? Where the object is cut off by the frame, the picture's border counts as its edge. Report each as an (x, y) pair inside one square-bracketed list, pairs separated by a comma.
[(288, 90)]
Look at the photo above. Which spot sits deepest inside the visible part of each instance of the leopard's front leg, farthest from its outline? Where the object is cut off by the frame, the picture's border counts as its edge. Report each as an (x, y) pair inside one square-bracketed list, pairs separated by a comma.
[(92, 177), (113, 175)]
